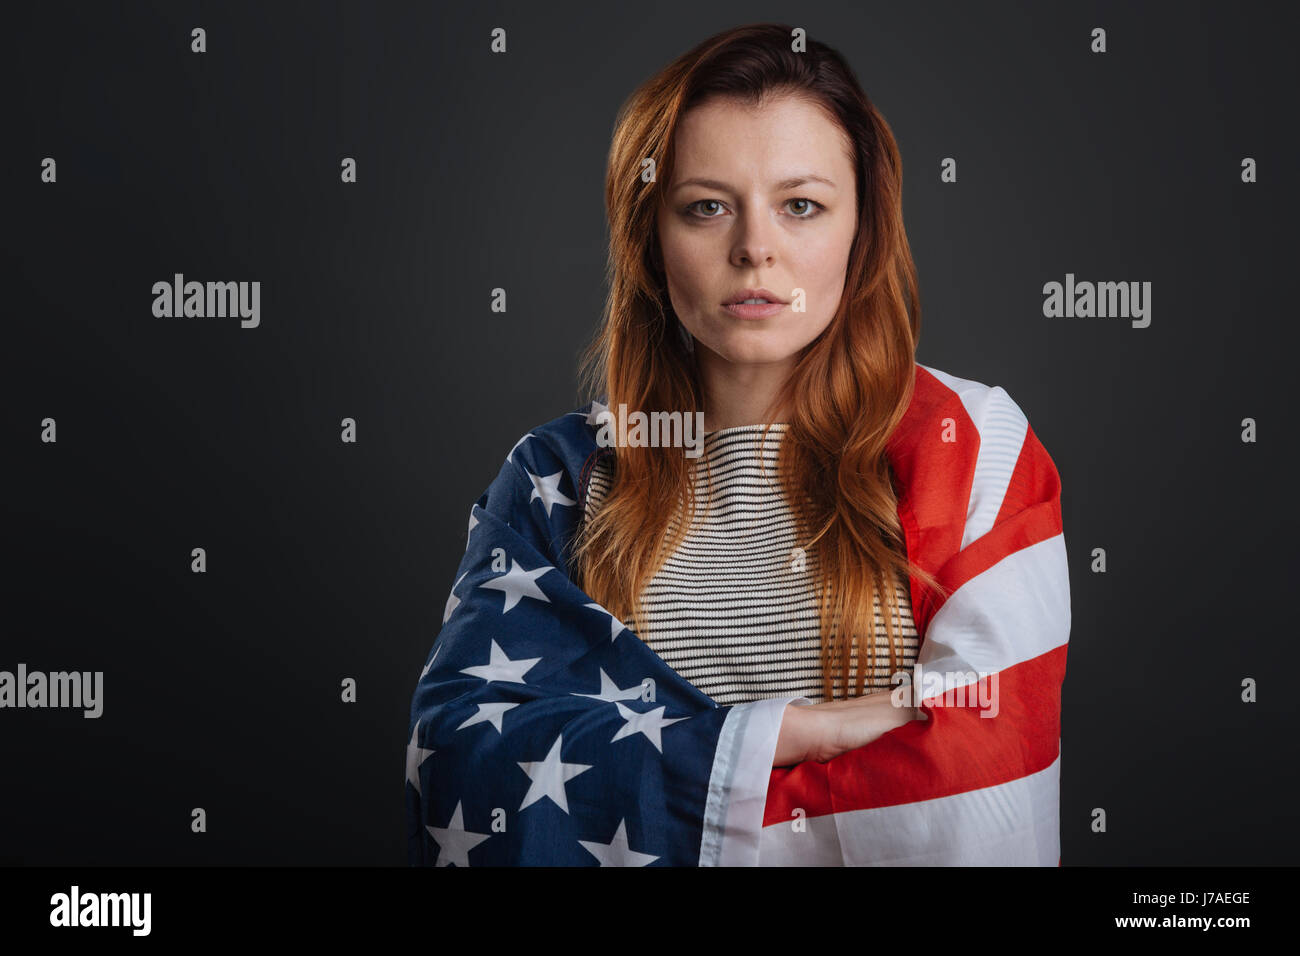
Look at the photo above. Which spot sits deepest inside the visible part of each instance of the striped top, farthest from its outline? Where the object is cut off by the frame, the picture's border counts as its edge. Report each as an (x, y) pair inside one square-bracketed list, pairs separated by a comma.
[(733, 608)]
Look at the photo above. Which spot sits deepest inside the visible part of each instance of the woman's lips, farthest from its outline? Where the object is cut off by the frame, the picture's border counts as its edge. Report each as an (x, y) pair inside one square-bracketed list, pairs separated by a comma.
[(754, 311)]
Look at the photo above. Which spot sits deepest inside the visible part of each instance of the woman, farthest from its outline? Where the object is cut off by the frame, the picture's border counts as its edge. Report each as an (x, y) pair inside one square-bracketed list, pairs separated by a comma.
[(650, 657)]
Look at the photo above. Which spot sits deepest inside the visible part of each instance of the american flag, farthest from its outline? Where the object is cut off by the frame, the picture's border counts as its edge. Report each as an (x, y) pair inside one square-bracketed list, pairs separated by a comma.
[(544, 732)]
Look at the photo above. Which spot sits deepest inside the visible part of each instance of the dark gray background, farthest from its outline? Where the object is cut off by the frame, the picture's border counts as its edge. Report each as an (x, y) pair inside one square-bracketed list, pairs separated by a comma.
[(476, 171)]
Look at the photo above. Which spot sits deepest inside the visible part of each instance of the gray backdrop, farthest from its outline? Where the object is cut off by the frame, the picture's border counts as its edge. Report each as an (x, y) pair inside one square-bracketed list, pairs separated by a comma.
[(329, 561)]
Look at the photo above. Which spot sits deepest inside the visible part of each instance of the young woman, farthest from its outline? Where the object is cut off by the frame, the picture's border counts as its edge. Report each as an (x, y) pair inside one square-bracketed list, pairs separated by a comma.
[(672, 655)]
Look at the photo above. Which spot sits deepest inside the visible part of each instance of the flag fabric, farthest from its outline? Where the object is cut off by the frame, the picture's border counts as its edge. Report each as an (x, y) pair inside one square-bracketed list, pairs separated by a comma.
[(544, 732)]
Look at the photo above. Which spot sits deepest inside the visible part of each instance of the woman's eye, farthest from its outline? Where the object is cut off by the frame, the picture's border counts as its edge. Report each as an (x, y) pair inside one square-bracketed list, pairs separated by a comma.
[(704, 202), (810, 205), (703, 208)]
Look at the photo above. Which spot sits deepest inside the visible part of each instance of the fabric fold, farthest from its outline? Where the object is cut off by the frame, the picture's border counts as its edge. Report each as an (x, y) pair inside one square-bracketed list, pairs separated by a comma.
[(543, 731)]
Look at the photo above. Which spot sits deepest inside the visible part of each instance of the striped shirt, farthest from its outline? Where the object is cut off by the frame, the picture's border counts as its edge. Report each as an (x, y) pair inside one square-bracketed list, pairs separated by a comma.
[(733, 609)]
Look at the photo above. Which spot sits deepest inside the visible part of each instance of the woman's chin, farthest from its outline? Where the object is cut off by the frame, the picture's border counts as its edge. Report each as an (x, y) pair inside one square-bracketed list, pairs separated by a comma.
[(746, 350)]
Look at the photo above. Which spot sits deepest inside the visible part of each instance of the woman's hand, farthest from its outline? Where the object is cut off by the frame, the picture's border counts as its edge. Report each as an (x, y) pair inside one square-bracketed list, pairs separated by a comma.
[(822, 731), (856, 722)]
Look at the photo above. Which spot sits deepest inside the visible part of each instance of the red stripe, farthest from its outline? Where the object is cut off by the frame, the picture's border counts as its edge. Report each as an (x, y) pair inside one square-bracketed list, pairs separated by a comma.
[(1034, 480), (934, 477), (1029, 527), (955, 751)]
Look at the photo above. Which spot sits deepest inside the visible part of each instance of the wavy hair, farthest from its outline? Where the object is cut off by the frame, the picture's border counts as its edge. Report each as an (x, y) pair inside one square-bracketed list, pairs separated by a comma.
[(848, 391)]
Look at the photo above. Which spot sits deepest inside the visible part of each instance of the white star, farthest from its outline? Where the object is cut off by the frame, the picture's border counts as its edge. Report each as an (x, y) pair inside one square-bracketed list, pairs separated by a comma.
[(548, 489), (452, 601), (473, 523), (549, 776), (502, 668), (415, 755), (518, 583), (649, 724), (517, 444), (616, 852), (609, 691), (616, 627), (431, 660), (455, 842), (488, 713), (591, 414)]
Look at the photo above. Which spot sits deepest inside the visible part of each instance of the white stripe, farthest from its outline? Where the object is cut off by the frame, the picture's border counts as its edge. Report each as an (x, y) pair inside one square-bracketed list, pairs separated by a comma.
[(742, 768), (1012, 824), (1002, 428), (1005, 615), (1002, 435), (1014, 611)]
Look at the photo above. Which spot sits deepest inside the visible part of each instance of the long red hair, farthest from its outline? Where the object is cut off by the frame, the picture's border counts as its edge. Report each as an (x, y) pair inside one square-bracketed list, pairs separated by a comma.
[(847, 392)]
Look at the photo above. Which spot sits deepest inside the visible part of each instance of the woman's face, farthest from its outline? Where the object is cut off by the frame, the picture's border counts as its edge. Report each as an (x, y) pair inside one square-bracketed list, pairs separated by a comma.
[(764, 219)]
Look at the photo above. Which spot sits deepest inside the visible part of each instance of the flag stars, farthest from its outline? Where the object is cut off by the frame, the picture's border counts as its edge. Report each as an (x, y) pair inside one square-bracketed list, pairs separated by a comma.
[(549, 776), (610, 691), (593, 414), (454, 841), (518, 583), (616, 627), (510, 456), (489, 714), (501, 668), (453, 602), (649, 724), (617, 852), (548, 489), (415, 756), (431, 660)]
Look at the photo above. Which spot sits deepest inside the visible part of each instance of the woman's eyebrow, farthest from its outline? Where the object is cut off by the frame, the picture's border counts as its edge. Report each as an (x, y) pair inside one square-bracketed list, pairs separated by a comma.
[(790, 183)]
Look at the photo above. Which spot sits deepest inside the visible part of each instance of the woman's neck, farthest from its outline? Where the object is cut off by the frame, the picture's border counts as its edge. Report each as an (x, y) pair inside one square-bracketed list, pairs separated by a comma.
[(739, 394)]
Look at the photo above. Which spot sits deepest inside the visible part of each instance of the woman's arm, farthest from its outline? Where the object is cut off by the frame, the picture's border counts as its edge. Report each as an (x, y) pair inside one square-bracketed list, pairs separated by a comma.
[(543, 732), (978, 781), (822, 731)]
